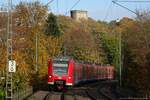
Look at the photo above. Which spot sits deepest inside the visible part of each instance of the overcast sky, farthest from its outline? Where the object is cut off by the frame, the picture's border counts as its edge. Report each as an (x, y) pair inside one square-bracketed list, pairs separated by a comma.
[(97, 9)]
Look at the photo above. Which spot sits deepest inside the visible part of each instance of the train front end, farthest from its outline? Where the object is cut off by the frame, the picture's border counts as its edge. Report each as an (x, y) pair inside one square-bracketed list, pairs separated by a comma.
[(60, 73)]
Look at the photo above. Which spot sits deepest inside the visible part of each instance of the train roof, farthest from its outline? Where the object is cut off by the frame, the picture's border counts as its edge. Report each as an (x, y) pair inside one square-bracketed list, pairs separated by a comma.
[(62, 58), (67, 58)]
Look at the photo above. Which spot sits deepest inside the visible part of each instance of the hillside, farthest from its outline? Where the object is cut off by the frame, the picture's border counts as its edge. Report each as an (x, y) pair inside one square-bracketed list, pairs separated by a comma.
[(124, 43)]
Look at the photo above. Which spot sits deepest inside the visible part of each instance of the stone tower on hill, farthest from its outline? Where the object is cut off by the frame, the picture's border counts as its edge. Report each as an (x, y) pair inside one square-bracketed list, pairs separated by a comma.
[(79, 14)]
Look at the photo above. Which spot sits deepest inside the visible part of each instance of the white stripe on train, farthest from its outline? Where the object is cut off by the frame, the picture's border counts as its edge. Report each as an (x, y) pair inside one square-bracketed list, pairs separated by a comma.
[(51, 83), (70, 84)]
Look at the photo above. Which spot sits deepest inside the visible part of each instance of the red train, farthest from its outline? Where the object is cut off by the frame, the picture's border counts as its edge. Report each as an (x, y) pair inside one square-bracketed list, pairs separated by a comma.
[(65, 71)]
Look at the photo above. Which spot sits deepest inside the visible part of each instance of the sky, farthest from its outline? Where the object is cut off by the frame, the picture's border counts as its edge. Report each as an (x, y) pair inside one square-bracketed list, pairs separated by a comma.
[(103, 10)]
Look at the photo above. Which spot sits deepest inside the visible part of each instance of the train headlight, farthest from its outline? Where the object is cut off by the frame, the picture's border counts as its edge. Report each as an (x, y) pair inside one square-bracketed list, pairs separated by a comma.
[(50, 76), (69, 77)]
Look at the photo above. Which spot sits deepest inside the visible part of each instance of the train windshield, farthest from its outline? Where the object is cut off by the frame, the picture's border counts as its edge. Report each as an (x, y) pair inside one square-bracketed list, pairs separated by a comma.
[(60, 67)]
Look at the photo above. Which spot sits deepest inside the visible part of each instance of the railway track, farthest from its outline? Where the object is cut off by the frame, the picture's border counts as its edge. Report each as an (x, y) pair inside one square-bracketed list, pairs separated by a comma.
[(107, 90), (94, 91), (106, 95), (98, 94), (55, 96)]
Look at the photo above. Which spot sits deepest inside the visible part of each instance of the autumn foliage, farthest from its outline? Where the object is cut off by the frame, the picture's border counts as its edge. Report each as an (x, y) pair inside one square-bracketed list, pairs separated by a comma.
[(86, 40)]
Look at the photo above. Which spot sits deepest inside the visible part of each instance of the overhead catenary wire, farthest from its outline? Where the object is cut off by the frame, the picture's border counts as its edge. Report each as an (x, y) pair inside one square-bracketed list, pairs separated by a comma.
[(107, 12), (57, 6), (135, 1), (115, 2), (72, 7), (127, 1), (49, 2), (66, 6)]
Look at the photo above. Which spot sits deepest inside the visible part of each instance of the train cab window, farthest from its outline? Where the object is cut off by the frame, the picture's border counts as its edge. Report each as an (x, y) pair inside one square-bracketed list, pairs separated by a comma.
[(60, 67)]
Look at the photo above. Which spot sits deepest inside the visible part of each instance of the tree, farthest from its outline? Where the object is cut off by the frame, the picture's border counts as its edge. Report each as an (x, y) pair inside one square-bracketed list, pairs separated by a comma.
[(52, 27), (110, 45), (136, 49)]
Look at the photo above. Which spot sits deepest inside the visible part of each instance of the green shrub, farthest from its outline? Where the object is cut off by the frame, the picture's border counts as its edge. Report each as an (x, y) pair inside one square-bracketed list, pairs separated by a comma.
[(2, 94)]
